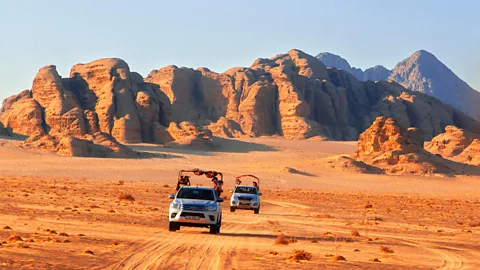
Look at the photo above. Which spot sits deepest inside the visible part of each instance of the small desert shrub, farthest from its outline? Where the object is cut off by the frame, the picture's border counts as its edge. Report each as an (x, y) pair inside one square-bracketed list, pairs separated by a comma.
[(368, 205), (300, 255), (166, 186), (281, 240), (374, 260), (327, 234), (385, 249), (338, 258), (126, 197), (121, 183), (7, 228), (88, 252), (474, 224), (355, 233), (14, 238), (322, 216), (274, 253), (292, 240)]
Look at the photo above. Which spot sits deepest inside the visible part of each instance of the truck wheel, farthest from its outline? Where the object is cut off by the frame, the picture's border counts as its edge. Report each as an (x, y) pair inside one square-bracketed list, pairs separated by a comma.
[(232, 209), (214, 229), (256, 211), (173, 227)]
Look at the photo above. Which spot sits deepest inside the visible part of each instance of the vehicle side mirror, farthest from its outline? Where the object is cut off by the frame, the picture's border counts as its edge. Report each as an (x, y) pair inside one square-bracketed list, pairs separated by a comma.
[(220, 200), (259, 194), (171, 196)]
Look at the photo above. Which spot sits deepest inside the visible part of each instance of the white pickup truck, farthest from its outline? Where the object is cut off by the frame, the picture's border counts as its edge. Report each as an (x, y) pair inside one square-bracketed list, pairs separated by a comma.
[(245, 197), (195, 207)]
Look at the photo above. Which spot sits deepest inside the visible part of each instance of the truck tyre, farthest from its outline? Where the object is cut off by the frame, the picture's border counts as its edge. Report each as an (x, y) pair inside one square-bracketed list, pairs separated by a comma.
[(256, 211), (214, 229), (173, 227), (232, 209)]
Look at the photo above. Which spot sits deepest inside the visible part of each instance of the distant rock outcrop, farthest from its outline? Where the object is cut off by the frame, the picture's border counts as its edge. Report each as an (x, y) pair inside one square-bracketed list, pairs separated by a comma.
[(396, 150), (292, 95), (100, 145), (421, 72), (458, 145)]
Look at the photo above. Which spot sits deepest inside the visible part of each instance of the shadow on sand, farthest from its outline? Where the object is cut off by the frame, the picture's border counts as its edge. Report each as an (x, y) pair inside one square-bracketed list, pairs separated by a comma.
[(237, 146), (222, 145)]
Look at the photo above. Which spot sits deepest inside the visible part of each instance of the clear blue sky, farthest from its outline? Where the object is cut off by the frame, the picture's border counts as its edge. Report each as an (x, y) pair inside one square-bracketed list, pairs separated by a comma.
[(224, 34)]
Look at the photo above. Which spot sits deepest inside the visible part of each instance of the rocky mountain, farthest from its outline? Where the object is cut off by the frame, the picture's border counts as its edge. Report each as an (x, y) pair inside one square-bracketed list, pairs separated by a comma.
[(421, 72), (376, 73), (292, 95)]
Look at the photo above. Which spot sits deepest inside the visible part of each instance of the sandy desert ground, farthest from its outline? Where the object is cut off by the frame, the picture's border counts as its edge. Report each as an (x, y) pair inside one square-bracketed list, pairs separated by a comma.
[(67, 213)]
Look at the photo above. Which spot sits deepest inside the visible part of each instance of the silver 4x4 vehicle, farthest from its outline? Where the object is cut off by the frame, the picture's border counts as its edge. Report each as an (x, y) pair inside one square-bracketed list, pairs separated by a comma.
[(195, 207), (245, 197)]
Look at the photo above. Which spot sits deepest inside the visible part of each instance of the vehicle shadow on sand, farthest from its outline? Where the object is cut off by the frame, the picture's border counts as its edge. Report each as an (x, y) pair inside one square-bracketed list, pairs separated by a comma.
[(330, 238)]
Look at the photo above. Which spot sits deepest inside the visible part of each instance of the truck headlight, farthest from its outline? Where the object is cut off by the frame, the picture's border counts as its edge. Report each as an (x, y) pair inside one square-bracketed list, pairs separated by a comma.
[(255, 200), (175, 205), (211, 208)]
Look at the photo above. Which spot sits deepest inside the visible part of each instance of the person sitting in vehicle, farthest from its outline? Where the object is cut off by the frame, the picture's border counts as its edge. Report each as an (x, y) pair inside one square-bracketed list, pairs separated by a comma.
[(256, 185), (183, 181)]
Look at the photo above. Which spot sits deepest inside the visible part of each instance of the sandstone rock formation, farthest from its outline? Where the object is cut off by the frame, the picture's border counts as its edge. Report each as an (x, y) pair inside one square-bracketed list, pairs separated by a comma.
[(292, 95), (458, 145), (421, 72), (396, 150), (100, 145)]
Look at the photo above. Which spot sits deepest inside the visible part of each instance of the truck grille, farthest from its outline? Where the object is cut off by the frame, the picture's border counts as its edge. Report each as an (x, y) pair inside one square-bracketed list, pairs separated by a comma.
[(193, 207), (184, 214), (245, 198)]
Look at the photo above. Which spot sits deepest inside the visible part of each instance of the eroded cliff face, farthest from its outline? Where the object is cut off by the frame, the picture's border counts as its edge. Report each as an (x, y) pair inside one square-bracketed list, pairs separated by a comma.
[(292, 95)]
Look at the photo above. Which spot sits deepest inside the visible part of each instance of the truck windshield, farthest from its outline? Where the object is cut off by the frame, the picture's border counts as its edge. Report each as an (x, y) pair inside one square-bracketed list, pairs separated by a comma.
[(196, 194), (246, 190)]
